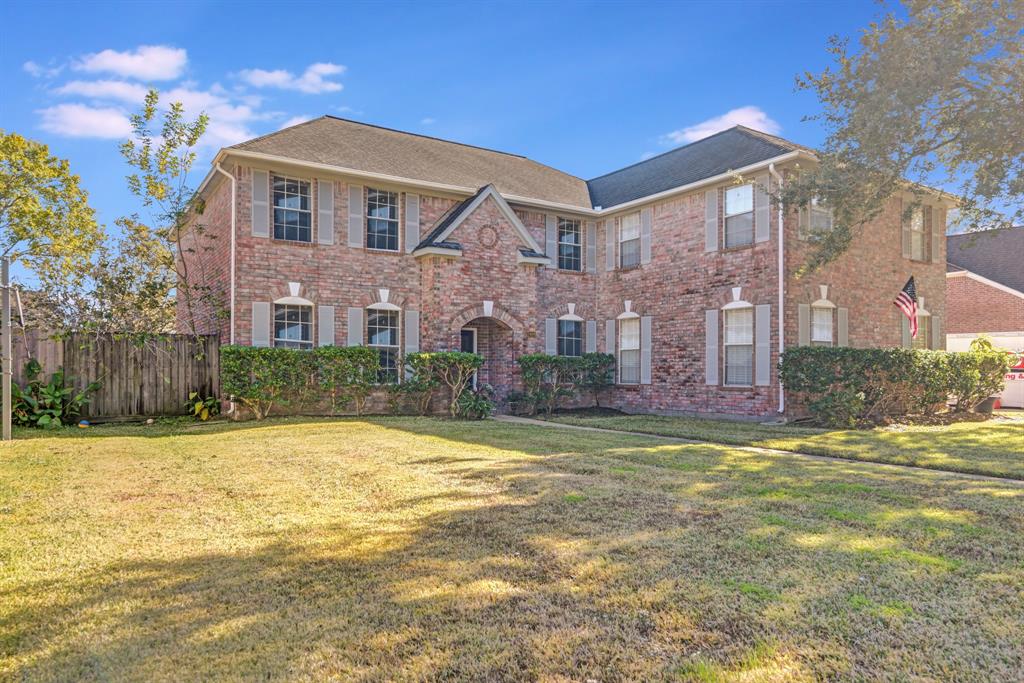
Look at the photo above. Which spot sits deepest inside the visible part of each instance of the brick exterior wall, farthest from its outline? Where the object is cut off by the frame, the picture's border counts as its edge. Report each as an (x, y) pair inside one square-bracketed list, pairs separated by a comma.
[(975, 307), (675, 289)]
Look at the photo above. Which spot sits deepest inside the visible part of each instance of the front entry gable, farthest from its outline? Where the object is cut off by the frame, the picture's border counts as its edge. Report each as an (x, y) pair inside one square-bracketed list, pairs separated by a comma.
[(442, 239)]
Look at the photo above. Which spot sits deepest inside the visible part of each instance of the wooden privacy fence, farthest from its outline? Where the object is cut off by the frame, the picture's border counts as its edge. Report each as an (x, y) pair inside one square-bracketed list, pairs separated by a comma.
[(138, 378)]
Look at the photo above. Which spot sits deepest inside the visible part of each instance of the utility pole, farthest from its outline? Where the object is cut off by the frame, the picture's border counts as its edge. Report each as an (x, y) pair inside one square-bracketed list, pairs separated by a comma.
[(8, 350)]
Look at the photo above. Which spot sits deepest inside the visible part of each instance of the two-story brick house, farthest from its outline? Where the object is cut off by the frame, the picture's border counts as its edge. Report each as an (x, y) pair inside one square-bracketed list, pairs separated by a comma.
[(337, 232)]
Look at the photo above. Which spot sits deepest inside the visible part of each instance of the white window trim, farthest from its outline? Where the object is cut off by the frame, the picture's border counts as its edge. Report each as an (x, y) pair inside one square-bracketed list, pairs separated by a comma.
[(579, 246), (397, 220), (558, 334), (915, 214), (731, 307), (622, 240), (309, 183), (293, 301), (630, 317), (726, 216), (397, 346)]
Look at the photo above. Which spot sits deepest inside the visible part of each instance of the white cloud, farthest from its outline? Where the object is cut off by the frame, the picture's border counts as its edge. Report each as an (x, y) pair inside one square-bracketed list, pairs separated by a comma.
[(81, 121), (647, 155), (749, 116), (427, 121), (123, 91), (314, 80), (295, 120), (146, 62), (39, 71)]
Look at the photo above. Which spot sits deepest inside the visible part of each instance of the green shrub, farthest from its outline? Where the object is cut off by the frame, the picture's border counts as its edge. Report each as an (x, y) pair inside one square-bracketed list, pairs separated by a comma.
[(476, 404), (843, 386), (263, 377), (453, 369), (200, 407), (50, 405), (547, 379)]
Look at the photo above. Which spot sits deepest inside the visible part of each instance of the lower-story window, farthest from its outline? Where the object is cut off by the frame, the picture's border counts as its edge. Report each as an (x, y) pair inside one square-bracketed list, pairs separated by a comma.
[(293, 326), (739, 347), (570, 338), (629, 351), (382, 334), (924, 332)]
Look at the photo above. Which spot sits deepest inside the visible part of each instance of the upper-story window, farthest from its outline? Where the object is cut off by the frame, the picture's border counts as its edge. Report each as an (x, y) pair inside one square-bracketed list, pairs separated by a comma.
[(293, 218), (382, 334), (820, 216), (570, 244), (739, 346), (293, 326), (918, 239), (629, 240), (739, 216), (381, 220), (570, 337), (629, 350)]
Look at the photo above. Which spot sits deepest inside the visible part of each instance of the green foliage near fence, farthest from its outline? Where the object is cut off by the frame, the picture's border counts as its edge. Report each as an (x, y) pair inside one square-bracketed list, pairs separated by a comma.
[(549, 379), (844, 386), (262, 378), (451, 369)]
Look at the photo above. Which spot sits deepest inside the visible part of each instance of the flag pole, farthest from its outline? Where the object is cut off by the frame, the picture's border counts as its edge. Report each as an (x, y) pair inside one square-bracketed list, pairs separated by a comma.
[(7, 346)]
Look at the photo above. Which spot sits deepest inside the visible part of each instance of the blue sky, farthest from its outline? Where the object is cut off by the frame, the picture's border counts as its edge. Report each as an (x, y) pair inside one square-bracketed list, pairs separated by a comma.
[(584, 87)]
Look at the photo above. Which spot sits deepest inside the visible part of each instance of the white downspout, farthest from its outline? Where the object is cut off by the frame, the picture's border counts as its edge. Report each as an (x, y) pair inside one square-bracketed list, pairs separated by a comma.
[(782, 296), (231, 316)]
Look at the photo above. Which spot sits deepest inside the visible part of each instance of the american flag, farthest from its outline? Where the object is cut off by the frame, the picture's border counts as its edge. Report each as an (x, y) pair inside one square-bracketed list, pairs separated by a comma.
[(906, 301)]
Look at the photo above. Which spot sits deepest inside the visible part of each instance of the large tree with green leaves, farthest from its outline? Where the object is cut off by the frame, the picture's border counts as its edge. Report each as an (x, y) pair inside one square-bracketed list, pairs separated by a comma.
[(932, 96), (45, 219), (162, 153)]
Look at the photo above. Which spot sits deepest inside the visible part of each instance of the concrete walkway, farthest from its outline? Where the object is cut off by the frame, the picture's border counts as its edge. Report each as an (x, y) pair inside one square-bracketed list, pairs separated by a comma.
[(762, 451)]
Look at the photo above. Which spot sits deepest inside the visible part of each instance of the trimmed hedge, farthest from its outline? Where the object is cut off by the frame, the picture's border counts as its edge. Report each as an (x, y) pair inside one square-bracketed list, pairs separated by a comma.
[(843, 387), (263, 377), (548, 379)]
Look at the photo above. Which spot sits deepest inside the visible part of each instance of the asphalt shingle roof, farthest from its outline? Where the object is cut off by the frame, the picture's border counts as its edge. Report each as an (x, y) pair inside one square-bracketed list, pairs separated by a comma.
[(993, 254), (719, 153), (364, 147)]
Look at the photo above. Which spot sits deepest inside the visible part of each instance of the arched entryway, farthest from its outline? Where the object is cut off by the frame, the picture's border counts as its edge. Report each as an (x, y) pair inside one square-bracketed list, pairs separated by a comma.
[(497, 335)]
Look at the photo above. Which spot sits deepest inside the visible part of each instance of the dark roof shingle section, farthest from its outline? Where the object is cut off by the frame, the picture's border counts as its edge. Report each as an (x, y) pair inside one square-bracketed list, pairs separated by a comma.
[(447, 219), (364, 147), (993, 254), (731, 149)]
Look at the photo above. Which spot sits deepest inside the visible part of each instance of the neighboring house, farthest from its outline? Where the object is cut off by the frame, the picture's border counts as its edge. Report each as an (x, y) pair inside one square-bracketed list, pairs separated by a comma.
[(347, 233), (985, 295)]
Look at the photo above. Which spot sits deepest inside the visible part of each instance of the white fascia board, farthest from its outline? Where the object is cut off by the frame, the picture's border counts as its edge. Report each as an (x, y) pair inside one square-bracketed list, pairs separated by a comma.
[(985, 281), (506, 210), (437, 251)]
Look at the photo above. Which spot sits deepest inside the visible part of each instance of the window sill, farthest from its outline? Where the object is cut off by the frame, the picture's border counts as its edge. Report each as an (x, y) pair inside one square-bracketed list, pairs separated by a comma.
[(737, 387), (298, 243), (570, 271), (626, 269), (394, 252)]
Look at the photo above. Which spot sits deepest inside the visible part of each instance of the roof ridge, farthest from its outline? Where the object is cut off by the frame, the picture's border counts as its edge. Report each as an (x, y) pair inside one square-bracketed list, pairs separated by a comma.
[(666, 152), (427, 137), (267, 135)]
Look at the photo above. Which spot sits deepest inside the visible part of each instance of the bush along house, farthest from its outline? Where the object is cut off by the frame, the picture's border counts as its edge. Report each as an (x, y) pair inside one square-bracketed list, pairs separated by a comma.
[(338, 232)]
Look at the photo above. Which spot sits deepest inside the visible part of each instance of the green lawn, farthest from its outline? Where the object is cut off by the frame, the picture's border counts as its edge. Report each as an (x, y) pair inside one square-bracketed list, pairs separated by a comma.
[(995, 447), (418, 549)]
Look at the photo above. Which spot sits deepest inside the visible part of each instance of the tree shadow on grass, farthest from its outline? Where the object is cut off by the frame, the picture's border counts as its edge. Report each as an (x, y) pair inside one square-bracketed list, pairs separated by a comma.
[(588, 557)]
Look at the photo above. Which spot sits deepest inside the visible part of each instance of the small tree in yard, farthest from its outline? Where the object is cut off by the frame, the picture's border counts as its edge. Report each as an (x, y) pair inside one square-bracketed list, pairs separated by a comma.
[(453, 369)]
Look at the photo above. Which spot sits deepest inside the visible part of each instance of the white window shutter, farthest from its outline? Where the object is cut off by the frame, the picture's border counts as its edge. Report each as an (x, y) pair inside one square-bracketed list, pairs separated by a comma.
[(551, 238), (711, 347), (843, 323), (762, 345), (261, 323), (762, 210), (550, 336), (609, 245), (355, 215), (591, 238), (325, 326), (645, 349), (646, 227), (590, 340), (609, 336), (803, 324), (355, 326), (938, 340), (412, 222), (325, 212), (260, 204), (904, 230), (905, 340), (711, 222), (938, 235), (412, 331)]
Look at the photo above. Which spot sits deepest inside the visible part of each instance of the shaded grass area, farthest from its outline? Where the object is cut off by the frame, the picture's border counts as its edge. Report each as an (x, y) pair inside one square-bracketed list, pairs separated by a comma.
[(994, 447), (420, 549)]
